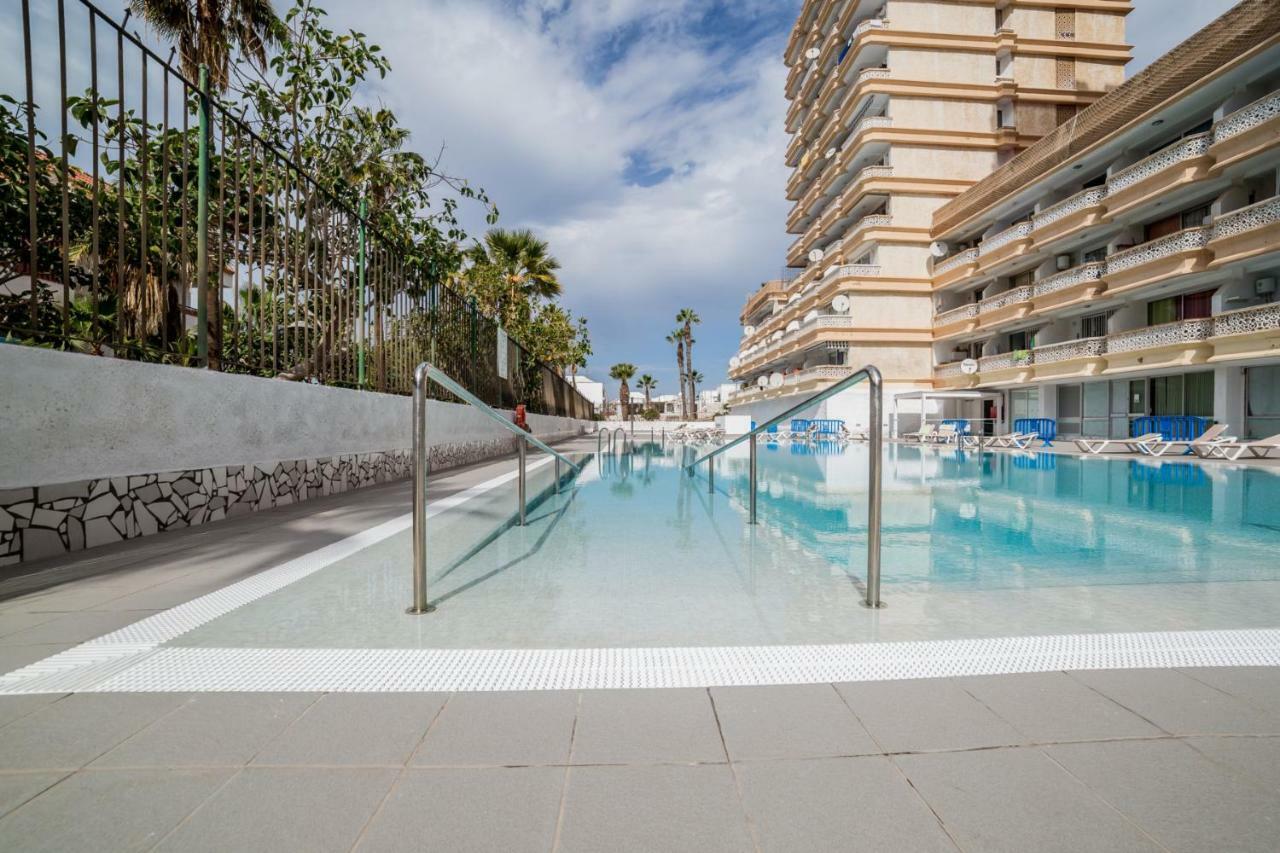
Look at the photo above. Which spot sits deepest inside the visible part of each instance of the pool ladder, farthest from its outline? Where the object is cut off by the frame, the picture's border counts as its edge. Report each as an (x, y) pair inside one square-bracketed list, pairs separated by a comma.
[(875, 434), (428, 372)]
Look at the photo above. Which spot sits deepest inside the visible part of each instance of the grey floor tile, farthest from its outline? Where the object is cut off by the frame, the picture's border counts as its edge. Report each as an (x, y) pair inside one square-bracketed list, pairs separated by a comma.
[(77, 729), (1258, 685), (926, 714), (210, 729), (837, 804), (16, 788), (1179, 703), (652, 808), (279, 809), (618, 726), (469, 809), (1254, 759), (792, 721), (75, 627), (16, 657), (1018, 800), (14, 621), (114, 810), (355, 728), (1184, 800), (1053, 706), (15, 707), (501, 729)]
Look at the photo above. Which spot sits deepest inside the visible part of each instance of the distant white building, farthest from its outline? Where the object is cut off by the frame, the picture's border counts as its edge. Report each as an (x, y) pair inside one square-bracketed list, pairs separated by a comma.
[(711, 401), (589, 388)]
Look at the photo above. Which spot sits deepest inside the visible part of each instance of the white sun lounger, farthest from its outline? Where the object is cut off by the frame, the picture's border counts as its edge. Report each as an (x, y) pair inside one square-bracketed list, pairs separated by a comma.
[(946, 434), (921, 435), (1008, 439), (1097, 446), (1260, 449), (1199, 446)]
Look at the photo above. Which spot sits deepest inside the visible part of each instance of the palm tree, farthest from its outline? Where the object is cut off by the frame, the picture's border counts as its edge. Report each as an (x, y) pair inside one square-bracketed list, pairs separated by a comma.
[(689, 317), (646, 383), (526, 267), (695, 379), (206, 31), (623, 371), (677, 338)]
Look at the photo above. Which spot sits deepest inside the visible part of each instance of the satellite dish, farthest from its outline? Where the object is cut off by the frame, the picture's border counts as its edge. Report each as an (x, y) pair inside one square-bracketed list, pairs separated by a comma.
[(763, 381), (775, 380), (816, 255), (840, 304), (969, 366), (747, 331), (831, 152), (811, 316), (733, 361), (812, 53), (793, 326), (939, 249)]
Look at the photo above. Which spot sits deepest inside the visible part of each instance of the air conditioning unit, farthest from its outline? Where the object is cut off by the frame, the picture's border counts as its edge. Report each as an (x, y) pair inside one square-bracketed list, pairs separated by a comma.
[(1265, 286), (1063, 262)]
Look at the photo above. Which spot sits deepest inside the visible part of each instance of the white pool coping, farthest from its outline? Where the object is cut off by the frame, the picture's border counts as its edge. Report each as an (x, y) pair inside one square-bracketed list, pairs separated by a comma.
[(134, 658)]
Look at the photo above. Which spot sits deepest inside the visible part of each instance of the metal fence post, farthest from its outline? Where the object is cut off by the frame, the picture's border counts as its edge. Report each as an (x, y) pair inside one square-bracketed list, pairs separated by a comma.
[(360, 282), (202, 223)]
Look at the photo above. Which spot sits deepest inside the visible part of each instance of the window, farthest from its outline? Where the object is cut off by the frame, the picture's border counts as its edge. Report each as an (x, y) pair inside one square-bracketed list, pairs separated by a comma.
[(1262, 401), (1183, 394), (1068, 409), (1162, 228), (1024, 403), (1094, 255), (1188, 306), (1022, 340), (1195, 217), (1064, 21), (1065, 72), (1093, 325)]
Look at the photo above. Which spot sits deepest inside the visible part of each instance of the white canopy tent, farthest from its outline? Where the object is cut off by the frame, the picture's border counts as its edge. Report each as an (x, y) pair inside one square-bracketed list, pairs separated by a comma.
[(922, 399)]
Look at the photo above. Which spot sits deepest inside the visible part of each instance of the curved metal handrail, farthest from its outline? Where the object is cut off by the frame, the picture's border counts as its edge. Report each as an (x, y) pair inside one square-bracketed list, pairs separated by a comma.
[(427, 371), (875, 434)]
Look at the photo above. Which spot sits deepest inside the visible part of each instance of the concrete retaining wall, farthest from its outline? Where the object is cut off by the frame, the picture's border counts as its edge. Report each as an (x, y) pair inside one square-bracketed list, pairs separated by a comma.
[(95, 450)]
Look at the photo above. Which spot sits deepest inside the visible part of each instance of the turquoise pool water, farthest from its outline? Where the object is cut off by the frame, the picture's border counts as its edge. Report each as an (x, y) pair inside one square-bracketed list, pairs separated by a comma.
[(637, 553)]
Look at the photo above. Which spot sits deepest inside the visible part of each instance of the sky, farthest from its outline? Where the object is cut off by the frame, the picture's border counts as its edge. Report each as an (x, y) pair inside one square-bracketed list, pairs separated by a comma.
[(643, 139)]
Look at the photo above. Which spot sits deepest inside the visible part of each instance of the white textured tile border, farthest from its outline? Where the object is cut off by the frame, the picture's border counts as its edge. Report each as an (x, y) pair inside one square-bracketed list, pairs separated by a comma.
[(134, 658)]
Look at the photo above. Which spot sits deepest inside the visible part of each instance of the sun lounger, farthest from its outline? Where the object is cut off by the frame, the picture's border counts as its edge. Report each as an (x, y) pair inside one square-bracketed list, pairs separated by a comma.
[(1260, 449), (1007, 439), (946, 434), (1023, 440), (1097, 446), (1199, 446), (921, 435)]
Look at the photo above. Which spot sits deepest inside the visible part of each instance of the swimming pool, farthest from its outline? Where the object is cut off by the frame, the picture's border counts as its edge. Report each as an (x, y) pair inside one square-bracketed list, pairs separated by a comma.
[(638, 574)]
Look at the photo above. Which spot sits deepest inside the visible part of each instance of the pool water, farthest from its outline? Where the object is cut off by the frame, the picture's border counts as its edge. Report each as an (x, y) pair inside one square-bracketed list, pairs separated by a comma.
[(636, 553)]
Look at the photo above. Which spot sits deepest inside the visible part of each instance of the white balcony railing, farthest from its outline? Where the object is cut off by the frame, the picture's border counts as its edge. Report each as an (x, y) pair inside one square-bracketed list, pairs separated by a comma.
[(1066, 207), (1003, 300), (1183, 241), (1091, 271), (1165, 334), (854, 270), (1067, 350), (959, 259), (949, 370), (1005, 360), (1005, 237), (1187, 149), (955, 315), (1265, 212), (1259, 318), (1247, 118), (822, 372)]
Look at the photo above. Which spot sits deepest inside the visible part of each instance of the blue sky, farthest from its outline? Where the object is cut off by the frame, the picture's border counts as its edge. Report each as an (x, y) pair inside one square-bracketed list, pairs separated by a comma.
[(643, 138)]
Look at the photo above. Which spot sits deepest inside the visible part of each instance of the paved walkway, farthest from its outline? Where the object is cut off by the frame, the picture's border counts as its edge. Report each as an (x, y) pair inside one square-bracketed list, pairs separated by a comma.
[(1102, 760)]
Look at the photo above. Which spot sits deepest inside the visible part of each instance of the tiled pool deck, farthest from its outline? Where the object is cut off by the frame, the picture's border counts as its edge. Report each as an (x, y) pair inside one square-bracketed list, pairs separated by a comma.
[(1173, 759)]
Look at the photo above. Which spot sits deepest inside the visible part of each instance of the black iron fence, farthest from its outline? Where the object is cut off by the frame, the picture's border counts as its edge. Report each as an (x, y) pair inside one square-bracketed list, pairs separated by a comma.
[(142, 219)]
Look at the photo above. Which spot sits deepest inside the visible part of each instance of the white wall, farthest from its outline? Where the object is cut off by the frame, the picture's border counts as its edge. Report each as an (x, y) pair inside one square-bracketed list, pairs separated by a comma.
[(67, 417)]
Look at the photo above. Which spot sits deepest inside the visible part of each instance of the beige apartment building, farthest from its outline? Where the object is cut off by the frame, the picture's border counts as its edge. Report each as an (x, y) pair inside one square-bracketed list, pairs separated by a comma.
[(1123, 265), (1127, 264), (897, 107)]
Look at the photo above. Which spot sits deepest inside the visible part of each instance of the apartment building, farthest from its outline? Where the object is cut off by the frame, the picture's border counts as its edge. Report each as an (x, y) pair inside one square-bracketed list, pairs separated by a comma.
[(1127, 264), (896, 108)]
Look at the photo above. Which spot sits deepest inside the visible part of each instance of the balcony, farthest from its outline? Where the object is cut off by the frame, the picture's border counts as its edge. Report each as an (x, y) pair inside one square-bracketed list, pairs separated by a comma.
[(1246, 132), (1181, 253), (1070, 359), (959, 266), (1069, 216), (956, 321), (1162, 172), (1247, 333), (1013, 304), (1246, 233), (1009, 243), (1069, 287), (1179, 344), (1006, 368)]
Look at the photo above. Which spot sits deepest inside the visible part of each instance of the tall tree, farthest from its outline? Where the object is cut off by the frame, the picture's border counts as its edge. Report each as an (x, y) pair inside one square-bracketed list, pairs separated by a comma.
[(677, 338), (623, 371), (646, 383), (525, 268), (695, 379), (580, 349), (206, 32), (689, 317)]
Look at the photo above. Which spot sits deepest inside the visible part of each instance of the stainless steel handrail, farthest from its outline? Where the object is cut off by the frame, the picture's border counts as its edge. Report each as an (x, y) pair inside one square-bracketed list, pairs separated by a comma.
[(613, 437), (875, 434), (424, 372)]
